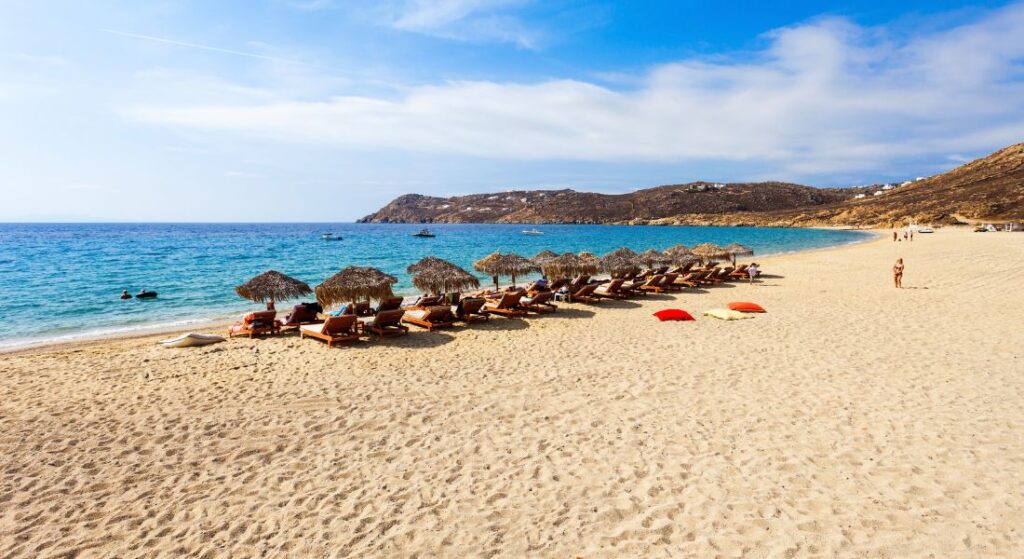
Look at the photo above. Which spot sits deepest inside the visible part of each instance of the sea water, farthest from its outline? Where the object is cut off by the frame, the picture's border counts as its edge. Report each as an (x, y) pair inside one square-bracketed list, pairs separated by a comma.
[(64, 280)]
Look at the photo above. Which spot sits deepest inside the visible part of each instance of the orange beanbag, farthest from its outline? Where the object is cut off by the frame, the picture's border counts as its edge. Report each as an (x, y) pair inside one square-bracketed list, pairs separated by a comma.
[(673, 314), (743, 306)]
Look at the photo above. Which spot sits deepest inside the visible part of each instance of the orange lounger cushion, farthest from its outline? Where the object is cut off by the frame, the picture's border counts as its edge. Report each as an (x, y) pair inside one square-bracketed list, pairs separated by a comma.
[(744, 306), (673, 314)]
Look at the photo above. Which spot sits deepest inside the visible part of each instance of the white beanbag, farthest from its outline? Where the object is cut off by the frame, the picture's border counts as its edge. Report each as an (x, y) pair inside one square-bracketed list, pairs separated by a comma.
[(726, 314)]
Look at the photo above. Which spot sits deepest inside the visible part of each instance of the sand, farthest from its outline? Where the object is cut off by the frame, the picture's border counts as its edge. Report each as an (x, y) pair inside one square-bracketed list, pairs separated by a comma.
[(852, 419)]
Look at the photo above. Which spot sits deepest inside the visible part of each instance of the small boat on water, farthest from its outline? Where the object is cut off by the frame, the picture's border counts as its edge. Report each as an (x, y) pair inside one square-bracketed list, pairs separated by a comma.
[(424, 233), (926, 230), (532, 232), (330, 237), (145, 294)]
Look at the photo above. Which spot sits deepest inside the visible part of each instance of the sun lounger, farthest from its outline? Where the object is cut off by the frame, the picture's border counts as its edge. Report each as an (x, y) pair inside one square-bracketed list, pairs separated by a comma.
[(612, 290), (390, 304), (577, 283), (256, 324), (439, 316), (669, 283), (303, 313), (585, 294), (539, 303), (740, 272), (688, 280), (386, 323), (507, 306), (336, 329), (654, 284), (470, 309), (426, 301)]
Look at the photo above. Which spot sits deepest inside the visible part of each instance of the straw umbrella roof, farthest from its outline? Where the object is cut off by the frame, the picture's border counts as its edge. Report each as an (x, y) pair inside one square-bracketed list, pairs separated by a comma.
[(619, 261), (355, 283), (568, 265), (434, 275), (684, 259), (498, 264), (737, 249), (652, 258), (511, 264), (427, 263), (272, 286), (711, 251), (679, 254), (543, 256), (589, 263)]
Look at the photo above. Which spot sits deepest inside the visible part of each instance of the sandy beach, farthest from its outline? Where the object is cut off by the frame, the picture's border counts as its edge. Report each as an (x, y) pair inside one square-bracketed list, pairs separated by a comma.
[(853, 419)]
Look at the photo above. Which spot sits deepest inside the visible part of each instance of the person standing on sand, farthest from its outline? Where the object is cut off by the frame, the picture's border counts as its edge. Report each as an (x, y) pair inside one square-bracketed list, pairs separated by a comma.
[(911, 235), (895, 236), (897, 273)]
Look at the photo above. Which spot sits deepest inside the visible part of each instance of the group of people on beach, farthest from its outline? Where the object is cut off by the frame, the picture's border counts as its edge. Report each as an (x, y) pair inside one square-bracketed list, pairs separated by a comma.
[(907, 236)]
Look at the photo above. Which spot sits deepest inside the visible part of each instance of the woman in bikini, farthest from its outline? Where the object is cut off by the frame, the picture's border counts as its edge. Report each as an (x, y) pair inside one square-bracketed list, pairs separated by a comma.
[(897, 273)]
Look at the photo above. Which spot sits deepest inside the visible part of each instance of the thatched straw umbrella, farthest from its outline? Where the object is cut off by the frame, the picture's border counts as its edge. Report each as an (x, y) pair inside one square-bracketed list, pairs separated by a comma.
[(498, 264), (427, 263), (711, 251), (434, 275), (271, 286), (569, 265), (737, 249), (679, 255), (620, 261), (353, 284), (652, 258), (543, 257), (589, 263)]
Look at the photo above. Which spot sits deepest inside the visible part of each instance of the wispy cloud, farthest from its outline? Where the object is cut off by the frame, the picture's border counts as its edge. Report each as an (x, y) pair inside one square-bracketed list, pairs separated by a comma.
[(461, 20), (822, 97), (209, 48)]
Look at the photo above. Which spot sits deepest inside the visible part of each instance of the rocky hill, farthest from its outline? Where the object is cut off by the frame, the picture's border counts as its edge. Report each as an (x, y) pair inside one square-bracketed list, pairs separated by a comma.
[(988, 189), (569, 206)]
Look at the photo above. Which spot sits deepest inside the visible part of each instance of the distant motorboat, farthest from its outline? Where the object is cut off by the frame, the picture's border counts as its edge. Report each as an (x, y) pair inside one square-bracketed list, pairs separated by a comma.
[(330, 237), (532, 232), (424, 233)]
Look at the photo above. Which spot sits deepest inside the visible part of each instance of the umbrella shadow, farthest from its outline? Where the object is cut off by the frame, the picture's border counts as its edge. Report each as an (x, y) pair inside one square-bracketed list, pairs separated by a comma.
[(415, 338), (564, 312), (618, 304), (500, 323)]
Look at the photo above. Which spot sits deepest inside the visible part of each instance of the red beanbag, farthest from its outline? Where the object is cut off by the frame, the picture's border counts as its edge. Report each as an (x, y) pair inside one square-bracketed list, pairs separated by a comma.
[(746, 307), (673, 314)]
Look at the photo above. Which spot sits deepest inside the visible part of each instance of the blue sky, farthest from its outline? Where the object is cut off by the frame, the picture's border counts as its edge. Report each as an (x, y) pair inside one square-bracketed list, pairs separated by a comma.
[(324, 110)]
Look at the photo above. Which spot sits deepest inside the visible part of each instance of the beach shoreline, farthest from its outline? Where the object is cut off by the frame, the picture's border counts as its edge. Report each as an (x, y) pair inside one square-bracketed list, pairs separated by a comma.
[(219, 325), (851, 419)]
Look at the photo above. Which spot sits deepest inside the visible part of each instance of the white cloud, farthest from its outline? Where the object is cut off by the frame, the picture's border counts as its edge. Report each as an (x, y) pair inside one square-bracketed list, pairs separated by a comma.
[(461, 20), (826, 96)]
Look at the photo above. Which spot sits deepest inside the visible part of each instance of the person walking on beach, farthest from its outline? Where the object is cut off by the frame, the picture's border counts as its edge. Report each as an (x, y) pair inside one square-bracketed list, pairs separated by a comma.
[(897, 273), (753, 271), (911, 235), (895, 236)]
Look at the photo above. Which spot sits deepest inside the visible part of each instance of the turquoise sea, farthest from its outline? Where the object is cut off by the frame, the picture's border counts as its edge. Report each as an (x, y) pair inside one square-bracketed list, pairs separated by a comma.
[(63, 280)]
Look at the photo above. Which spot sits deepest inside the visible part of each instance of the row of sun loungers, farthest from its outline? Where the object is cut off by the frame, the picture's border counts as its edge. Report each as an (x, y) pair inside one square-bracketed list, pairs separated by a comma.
[(391, 318)]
